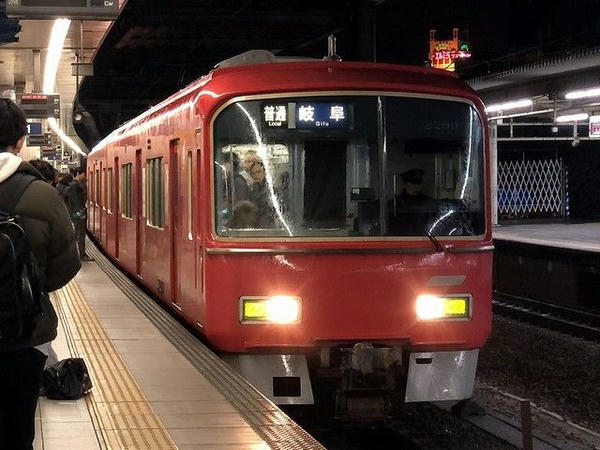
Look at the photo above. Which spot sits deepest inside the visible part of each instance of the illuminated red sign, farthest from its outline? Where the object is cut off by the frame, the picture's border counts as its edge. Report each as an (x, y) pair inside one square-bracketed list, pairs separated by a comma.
[(451, 54)]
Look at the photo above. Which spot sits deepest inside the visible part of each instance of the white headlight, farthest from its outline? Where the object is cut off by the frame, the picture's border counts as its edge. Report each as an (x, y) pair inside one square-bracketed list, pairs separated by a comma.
[(283, 309), (278, 309), (431, 307)]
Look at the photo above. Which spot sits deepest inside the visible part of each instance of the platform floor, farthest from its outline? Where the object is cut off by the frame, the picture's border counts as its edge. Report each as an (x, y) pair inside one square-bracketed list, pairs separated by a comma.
[(582, 236), (146, 394)]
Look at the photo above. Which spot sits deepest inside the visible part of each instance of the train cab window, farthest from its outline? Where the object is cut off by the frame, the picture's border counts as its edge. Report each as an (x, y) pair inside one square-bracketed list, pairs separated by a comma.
[(434, 171), (125, 186), (341, 167), (109, 189), (155, 192)]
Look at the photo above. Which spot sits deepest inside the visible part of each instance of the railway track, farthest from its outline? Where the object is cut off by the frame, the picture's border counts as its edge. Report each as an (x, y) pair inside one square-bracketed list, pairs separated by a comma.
[(576, 322), (419, 426)]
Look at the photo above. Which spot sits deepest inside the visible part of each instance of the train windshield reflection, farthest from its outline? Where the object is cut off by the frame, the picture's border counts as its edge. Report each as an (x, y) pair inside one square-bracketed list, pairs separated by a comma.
[(348, 167)]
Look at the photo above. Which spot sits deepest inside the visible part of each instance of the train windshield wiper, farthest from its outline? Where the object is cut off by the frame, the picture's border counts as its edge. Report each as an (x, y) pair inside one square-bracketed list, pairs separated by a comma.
[(439, 247)]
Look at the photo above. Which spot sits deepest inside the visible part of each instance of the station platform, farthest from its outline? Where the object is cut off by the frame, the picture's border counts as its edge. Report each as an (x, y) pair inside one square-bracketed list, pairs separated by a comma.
[(580, 236), (156, 386), (555, 263)]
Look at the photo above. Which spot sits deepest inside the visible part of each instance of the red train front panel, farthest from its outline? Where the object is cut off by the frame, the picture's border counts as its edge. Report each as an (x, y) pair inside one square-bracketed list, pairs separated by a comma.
[(334, 224)]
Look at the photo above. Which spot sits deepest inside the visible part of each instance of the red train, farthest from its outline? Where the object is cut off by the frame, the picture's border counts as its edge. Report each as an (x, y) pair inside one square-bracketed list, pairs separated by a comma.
[(316, 221)]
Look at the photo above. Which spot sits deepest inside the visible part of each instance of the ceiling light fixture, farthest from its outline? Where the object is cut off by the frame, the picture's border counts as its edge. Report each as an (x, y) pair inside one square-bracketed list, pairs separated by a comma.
[(529, 113), (593, 92), (572, 117), (523, 103), (55, 47)]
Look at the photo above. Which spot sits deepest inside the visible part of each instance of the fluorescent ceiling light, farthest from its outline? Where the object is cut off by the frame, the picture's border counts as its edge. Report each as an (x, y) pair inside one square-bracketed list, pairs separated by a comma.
[(522, 114), (523, 103), (572, 117), (70, 142), (55, 48), (594, 92)]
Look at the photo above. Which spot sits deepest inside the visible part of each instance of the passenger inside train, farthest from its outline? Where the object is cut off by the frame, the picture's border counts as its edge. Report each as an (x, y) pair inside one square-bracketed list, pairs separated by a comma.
[(259, 195), (345, 173)]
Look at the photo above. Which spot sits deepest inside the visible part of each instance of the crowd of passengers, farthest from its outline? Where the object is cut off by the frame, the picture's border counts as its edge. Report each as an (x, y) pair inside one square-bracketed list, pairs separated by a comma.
[(73, 190), (249, 192)]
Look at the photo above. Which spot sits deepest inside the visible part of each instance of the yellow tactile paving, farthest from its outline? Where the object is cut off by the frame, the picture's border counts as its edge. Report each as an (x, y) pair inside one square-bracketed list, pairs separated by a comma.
[(121, 415)]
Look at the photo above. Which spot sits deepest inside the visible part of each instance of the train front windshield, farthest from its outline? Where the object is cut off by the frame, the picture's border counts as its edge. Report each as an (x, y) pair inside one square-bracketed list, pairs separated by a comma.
[(355, 166)]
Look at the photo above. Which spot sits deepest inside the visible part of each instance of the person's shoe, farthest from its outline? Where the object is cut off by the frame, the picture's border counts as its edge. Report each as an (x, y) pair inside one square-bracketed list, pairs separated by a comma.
[(86, 258)]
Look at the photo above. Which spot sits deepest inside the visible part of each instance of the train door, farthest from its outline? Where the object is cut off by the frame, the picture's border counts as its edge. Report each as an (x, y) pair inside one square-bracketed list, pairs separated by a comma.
[(190, 276), (174, 217), (196, 190), (117, 203), (138, 211)]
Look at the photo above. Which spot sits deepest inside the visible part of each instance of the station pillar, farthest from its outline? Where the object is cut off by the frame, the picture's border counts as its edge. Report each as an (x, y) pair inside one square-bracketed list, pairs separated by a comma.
[(494, 170)]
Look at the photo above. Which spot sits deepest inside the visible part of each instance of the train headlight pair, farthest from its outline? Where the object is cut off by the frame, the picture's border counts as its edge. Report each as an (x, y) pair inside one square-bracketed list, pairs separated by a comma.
[(432, 307), (282, 309)]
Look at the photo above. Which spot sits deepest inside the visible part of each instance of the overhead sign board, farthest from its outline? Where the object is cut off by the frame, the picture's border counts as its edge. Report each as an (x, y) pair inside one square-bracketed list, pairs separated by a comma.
[(44, 140), (34, 128), (40, 106), (594, 127), (321, 115), (306, 115), (71, 9)]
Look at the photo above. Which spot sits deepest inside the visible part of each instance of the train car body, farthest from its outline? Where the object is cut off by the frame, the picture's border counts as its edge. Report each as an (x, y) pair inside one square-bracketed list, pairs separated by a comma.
[(356, 248)]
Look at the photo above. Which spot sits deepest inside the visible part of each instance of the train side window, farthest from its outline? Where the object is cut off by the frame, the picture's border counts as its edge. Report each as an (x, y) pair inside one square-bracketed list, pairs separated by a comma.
[(190, 203), (104, 188), (109, 190), (197, 190), (155, 189), (126, 190), (91, 187), (97, 186)]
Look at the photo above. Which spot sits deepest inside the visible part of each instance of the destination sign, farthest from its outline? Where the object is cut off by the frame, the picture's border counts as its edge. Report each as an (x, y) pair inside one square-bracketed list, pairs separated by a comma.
[(306, 115), (322, 115), (275, 115)]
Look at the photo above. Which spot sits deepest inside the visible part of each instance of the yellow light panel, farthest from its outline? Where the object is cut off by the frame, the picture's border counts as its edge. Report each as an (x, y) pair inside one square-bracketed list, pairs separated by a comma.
[(255, 310)]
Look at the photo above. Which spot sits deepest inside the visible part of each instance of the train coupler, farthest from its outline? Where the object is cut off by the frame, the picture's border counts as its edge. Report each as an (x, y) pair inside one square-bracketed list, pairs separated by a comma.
[(371, 376)]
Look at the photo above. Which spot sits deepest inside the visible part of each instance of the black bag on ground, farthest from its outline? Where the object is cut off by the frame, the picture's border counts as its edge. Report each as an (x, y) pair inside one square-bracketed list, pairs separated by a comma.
[(67, 379), (20, 290)]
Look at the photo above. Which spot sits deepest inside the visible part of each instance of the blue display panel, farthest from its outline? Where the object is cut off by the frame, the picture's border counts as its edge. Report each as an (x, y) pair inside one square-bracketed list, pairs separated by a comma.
[(311, 115), (34, 128), (306, 115)]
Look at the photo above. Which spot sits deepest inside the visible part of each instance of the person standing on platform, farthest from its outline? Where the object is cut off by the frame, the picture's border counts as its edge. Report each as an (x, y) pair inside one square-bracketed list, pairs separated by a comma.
[(64, 179), (44, 168), (76, 196), (48, 230)]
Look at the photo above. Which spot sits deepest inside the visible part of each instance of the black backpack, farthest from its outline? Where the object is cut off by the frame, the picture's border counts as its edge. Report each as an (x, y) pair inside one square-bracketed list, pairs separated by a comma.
[(67, 380), (20, 289)]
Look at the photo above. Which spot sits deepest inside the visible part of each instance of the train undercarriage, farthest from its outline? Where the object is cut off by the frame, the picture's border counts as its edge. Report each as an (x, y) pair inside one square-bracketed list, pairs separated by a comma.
[(361, 380)]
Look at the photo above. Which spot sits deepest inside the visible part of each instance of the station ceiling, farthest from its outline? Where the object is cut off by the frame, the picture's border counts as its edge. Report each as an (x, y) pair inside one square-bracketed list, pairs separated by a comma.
[(157, 47)]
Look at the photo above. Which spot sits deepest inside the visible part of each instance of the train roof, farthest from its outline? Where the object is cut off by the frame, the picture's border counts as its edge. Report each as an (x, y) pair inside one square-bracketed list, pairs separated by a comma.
[(232, 80)]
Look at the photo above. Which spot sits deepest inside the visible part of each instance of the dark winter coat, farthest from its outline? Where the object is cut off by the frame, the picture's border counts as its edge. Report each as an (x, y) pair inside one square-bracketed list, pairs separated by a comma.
[(75, 197), (50, 232)]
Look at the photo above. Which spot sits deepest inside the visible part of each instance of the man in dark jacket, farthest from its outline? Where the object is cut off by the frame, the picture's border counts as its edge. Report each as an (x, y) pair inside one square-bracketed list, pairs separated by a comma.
[(49, 231), (76, 197)]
